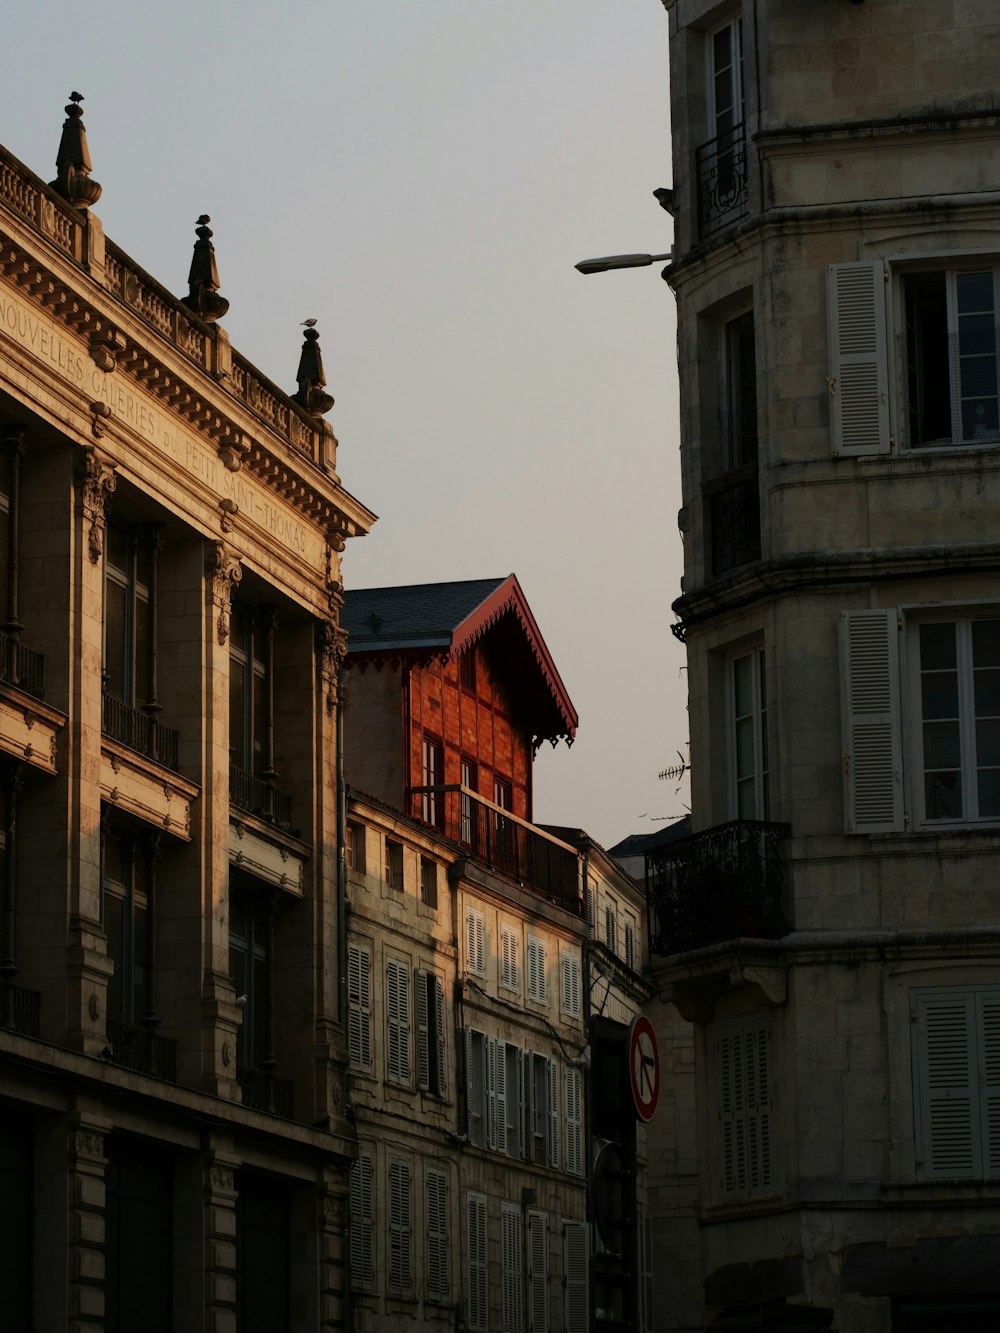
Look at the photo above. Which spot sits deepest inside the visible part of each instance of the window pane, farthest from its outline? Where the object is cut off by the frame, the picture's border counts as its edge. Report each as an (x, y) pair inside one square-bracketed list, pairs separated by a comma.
[(742, 686), (117, 679), (986, 643), (139, 937), (937, 646), (142, 641), (943, 795), (237, 719), (987, 689), (258, 723), (116, 548), (979, 419), (975, 291), (939, 694), (989, 793), (942, 746), (114, 929), (987, 744)]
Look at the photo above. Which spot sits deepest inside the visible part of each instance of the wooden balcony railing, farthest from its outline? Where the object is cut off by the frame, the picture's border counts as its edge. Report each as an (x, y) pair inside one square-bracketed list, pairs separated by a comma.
[(721, 884), (21, 667), (502, 841), (138, 731), (144, 1051)]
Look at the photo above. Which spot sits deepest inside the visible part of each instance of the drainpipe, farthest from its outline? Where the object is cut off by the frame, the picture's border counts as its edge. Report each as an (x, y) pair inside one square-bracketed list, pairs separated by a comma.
[(341, 853)]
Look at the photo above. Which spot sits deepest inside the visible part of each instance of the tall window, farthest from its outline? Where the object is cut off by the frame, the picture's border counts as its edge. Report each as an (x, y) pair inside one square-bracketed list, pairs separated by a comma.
[(727, 98), (431, 776), (359, 1001), (467, 834), (430, 1032), (250, 913), (362, 1222), (748, 726), (956, 1082), (467, 669), (512, 1268), (960, 718), (477, 1306), (400, 1228), (128, 614), (251, 641), (743, 1055), (950, 353), (721, 162), (125, 900), (428, 882), (436, 1221)]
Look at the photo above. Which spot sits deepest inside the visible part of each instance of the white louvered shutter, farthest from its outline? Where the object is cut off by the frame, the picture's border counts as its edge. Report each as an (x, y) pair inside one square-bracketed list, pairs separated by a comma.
[(511, 1268), (538, 1273), (743, 1054), (575, 1312), (630, 945), (552, 1095), (498, 1096), (438, 1036), (574, 1121), (859, 372), (423, 1030), (989, 1064), (362, 1248), (437, 1234), (947, 1093), (400, 1228), (359, 1004), (398, 1016), (475, 942), (527, 1104), (873, 759), (570, 985), (477, 1285)]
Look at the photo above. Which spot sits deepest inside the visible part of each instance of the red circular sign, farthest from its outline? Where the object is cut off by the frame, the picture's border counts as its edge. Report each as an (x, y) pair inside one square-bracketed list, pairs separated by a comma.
[(643, 1066)]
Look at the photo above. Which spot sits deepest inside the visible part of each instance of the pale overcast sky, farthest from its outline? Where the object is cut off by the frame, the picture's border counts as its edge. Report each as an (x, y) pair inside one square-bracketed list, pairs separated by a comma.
[(421, 176)]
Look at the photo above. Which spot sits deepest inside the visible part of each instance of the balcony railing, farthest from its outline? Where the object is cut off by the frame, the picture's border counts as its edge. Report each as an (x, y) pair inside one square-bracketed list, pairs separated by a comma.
[(140, 732), (503, 842), (21, 667), (721, 884), (19, 1009), (733, 503), (723, 193), (144, 1051), (259, 797), (264, 1091)]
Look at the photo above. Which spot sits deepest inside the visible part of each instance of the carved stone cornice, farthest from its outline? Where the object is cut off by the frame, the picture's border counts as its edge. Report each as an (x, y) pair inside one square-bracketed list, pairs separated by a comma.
[(96, 481), (223, 564)]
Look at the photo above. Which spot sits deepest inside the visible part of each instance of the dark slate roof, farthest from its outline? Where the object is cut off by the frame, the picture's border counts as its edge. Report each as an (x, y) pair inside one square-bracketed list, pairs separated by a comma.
[(419, 616), (638, 844), (427, 620)]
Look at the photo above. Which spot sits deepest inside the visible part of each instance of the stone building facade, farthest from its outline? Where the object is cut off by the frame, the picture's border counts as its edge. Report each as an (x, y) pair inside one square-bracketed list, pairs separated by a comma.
[(172, 1046), (477, 941), (828, 938)]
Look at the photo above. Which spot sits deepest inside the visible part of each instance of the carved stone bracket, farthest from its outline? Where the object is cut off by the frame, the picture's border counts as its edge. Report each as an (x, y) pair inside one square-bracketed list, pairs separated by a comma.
[(332, 651), (226, 571), (222, 1178), (334, 583), (97, 481), (88, 1143), (105, 349)]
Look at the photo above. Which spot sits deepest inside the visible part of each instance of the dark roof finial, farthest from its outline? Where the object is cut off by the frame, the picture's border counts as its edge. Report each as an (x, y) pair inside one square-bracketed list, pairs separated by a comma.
[(310, 375), (203, 280), (73, 160)]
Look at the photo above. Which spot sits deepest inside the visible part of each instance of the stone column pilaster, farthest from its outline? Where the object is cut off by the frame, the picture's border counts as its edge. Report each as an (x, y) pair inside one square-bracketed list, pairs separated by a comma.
[(220, 1240), (333, 1213), (86, 1196)]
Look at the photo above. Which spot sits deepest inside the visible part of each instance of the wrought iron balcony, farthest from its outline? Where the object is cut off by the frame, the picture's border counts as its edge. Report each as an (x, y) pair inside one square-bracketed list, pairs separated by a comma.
[(721, 884), (19, 1009), (723, 193), (503, 842), (258, 796), (733, 505), (144, 1051), (139, 732), (264, 1091), (21, 667)]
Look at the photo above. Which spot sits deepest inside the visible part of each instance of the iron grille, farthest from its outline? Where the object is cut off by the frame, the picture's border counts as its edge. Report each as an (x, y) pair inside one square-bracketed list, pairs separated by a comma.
[(264, 1091), (721, 884), (144, 1051), (21, 667), (19, 1009), (139, 732), (259, 797), (733, 502), (723, 190)]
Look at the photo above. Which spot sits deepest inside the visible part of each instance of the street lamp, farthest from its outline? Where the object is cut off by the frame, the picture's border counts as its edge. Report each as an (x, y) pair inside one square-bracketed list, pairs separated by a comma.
[(619, 261)]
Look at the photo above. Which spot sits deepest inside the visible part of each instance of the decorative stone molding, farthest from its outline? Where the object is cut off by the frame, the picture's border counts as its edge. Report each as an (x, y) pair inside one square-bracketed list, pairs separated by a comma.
[(97, 480), (226, 571), (88, 1143), (332, 651), (105, 349), (229, 509), (222, 1178)]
